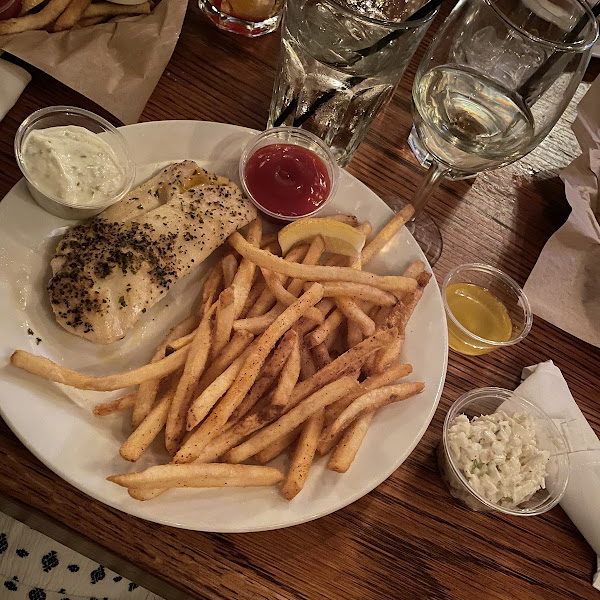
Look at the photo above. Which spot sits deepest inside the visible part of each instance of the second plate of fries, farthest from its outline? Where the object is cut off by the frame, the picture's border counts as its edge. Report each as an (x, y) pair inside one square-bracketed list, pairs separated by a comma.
[(275, 388)]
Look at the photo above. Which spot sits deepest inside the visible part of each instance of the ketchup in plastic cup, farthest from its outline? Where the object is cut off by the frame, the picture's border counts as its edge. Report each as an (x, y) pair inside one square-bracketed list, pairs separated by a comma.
[(288, 173)]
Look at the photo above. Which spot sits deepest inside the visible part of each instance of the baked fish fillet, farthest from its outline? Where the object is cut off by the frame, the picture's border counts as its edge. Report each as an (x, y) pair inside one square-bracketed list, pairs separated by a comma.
[(108, 272)]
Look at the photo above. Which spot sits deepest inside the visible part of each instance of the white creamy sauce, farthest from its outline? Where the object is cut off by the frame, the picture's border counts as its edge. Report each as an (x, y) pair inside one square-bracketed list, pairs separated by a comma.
[(499, 456), (73, 164)]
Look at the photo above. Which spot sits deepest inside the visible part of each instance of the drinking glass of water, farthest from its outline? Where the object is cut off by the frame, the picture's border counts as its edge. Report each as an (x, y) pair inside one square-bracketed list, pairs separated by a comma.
[(491, 86), (340, 61)]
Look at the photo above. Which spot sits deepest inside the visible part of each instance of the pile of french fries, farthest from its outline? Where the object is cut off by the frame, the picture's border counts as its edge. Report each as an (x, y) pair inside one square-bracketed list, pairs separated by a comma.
[(61, 15), (295, 352)]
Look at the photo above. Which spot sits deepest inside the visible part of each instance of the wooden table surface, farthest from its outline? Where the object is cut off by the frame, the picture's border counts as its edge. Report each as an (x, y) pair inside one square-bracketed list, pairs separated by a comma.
[(407, 538)]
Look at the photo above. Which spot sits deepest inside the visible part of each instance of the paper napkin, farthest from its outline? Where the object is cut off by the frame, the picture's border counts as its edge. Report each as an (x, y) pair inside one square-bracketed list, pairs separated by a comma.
[(564, 285), (544, 385), (14, 79)]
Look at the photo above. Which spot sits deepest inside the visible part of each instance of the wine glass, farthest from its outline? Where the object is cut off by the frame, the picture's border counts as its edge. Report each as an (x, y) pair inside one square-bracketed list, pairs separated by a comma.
[(491, 86)]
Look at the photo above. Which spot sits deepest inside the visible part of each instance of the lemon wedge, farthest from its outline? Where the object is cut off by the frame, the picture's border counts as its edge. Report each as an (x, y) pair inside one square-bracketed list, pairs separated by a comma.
[(339, 238)]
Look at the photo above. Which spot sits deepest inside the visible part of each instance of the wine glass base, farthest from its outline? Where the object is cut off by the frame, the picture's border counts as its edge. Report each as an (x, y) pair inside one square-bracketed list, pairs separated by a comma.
[(425, 231)]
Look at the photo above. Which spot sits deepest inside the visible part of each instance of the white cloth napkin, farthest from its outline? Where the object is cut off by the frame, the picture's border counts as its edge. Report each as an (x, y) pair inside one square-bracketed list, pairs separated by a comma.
[(544, 385), (13, 80), (570, 300)]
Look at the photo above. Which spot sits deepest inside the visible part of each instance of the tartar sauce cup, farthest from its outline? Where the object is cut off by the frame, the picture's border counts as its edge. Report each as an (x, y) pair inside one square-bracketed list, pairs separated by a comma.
[(296, 137), (485, 401), (57, 116)]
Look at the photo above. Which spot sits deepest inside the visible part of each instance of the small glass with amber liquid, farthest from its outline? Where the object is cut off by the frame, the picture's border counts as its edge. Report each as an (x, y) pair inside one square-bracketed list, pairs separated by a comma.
[(485, 309), (250, 18)]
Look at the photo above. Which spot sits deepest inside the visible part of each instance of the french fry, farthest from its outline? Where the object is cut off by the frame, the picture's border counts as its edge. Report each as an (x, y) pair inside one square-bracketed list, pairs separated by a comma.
[(234, 348), (401, 313), (414, 269), (278, 446), (357, 291), (331, 341), (39, 20), (345, 451), (117, 405), (146, 394), (257, 325), (213, 424), (303, 456), (389, 377), (208, 475), (285, 297), (225, 316), (296, 416), (229, 266), (253, 296), (180, 342), (398, 316), (354, 334), (88, 21), (267, 376), (307, 364), (266, 299), (137, 443), (242, 282), (387, 356), (312, 257), (39, 365), (326, 305), (288, 378), (331, 323), (320, 355), (377, 244), (192, 370), (318, 272), (212, 288), (71, 15), (353, 312), (106, 9), (346, 363), (332, 412), (148, 494), (366, 228), (382, 315), (203, 404), (373, 400)]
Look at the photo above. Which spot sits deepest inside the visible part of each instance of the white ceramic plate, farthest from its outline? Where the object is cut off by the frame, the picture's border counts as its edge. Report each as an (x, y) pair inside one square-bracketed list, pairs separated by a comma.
[(83, 449)]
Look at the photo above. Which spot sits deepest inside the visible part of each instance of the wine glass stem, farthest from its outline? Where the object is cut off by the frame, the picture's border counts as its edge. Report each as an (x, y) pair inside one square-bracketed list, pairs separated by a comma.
[(428, 186)]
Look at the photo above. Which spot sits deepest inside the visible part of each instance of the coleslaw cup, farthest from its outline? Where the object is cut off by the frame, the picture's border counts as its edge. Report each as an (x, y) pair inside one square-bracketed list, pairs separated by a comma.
[(485, 401)]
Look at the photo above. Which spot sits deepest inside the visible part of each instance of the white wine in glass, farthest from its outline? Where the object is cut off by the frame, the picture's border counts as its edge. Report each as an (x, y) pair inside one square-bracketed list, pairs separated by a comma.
[(491, 86)]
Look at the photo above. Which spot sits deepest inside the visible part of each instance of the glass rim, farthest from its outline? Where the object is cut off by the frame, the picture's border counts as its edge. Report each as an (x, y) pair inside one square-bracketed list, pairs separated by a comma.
[(507, 279), (24, 129), (386, 22), (529, 407), (578, 46)]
